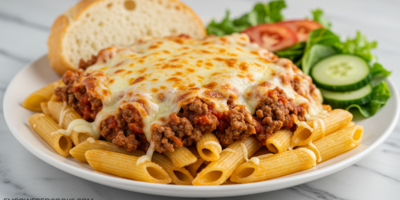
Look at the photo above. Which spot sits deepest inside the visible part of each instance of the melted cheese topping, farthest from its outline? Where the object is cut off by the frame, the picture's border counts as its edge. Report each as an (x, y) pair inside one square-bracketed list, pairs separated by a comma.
[(304, 124), (91, 140), (309, 152), (148, 156), (62, 114), (322, 125), (215, 144), (229, 150), (82, 126), (314, 149), (159, 75), (245, 152), (59, 131), (143, 159), (255, 160)]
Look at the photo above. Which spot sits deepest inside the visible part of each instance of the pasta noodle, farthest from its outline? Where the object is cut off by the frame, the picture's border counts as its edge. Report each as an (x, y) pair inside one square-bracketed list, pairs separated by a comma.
[(32, 102), (208, 147), (217, 172), (62, 113), (181, 157), (123, 165), (200, 164), (320, 127), (279, 141), (274, 166), (79, 137), (179, 175), (45, 109), (50, 132), (78, 152), (339, 142), (262, 151)]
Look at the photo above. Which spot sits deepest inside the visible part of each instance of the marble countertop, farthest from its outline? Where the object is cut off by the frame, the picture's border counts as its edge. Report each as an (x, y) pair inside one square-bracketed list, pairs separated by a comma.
[(25, 26)]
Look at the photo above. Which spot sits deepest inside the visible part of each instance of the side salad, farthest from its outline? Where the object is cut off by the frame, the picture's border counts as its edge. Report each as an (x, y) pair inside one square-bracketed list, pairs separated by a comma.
[(345, 71)]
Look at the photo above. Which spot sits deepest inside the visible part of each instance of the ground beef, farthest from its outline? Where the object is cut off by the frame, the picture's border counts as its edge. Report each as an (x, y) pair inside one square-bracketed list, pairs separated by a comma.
[(85, 64), (125, 129), (184, 128), (77, 97), (235, 124), (277, 112), (169, 137), (200, 116), (295, 82)]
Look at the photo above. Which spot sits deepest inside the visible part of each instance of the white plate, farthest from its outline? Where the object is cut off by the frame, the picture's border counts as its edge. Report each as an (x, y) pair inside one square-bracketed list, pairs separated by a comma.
[(39, 74)]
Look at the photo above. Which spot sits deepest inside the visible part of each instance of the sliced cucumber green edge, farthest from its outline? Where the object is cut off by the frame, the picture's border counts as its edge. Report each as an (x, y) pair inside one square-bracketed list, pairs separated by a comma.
[(342, 88), (338, 102)]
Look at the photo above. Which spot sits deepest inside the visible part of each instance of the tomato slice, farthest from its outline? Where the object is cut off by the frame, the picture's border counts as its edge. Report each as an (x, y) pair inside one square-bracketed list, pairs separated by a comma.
[(273, 37), (301, 27)]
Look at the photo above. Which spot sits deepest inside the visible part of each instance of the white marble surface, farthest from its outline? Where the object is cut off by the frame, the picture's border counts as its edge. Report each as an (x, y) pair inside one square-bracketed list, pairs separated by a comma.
[(24, 28)]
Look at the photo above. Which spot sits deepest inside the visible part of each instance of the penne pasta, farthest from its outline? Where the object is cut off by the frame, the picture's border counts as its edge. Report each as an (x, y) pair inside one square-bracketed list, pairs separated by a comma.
[(45, 109), (62, 113), (279, 141), (217, 172), (32, 102), (79, 137), (78, 152), (54, 98), (179, 175), (339, 142), (274, 166), (319, 127), (350, 124), (196, 167), (125, 166), (51, 133), (262, 151), (181, 157), (228, 182), (208, 147), (200, 164)]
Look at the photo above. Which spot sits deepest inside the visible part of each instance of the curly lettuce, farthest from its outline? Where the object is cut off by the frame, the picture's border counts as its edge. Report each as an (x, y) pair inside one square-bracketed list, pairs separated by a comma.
[(262, 13)]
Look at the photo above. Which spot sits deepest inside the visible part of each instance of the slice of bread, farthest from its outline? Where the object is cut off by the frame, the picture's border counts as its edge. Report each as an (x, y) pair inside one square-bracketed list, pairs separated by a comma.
[(92, 25)]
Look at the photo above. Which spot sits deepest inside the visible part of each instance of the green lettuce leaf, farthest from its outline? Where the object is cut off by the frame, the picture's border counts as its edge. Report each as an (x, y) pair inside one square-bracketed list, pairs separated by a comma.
[(318, 16), (261, 13), (377, 71), (321, 36), (315, 54), (273, 10), (380, 95), (358, 46), (225, 27), (294, 53)]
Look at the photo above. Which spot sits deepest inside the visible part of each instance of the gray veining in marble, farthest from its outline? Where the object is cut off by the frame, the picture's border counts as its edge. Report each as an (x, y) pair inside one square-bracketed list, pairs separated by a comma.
[(24, 28)]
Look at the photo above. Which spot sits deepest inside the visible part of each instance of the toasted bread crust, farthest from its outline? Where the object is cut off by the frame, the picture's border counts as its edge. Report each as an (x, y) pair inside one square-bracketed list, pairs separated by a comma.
[(58, 60), (56, 57), (204, 32)]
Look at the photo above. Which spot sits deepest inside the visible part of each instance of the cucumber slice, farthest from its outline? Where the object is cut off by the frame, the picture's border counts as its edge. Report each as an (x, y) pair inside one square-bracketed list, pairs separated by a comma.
[(341, 72), (344, 99)]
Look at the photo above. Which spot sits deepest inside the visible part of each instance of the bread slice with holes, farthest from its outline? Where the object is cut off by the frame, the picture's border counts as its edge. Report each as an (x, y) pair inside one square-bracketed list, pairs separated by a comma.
[(92, 25)]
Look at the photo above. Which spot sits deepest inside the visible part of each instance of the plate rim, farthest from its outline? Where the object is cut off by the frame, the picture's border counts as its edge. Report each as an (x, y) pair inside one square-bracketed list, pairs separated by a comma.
[(223, 190)]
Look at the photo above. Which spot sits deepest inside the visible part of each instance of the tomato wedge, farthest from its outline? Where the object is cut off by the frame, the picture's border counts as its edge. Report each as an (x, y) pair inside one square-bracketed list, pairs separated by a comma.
[(301, 27), (273, 37)]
